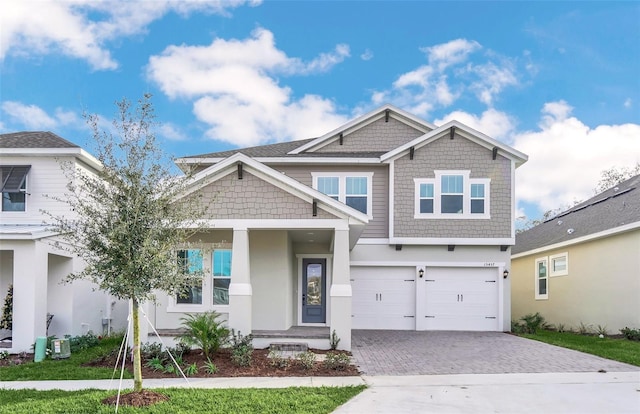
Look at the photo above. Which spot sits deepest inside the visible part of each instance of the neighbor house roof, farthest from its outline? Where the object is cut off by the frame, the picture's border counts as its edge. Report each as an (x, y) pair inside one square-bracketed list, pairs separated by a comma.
[(610, 212), (34, 139)]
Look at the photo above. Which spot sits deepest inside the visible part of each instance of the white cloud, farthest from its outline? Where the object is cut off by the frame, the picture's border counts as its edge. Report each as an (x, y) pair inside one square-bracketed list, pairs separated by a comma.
[(566, 157), (367, 55), (455, 69), (82, 28), (171, 132), (628, 103), (496, 124), (236, 92), (32, 117)]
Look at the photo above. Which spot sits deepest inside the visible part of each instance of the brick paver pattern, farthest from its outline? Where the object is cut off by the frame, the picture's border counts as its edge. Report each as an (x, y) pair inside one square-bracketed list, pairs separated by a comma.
[(378, 352)]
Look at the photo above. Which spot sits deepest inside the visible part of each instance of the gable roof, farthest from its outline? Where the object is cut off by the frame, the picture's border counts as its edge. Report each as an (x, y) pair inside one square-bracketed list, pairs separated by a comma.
[(361, 121), (613, 211), (278, 179), (34, 139), (469, 133)]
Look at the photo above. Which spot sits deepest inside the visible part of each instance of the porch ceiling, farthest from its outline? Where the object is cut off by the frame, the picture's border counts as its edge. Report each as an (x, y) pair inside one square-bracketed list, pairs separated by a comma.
[(311, 236)]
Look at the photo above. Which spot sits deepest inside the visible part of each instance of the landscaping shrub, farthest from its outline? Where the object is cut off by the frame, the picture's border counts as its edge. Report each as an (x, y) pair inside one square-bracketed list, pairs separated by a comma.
[(241, 349), (337, 360), (82, 342), (277, 360), (203, 330), (150, 350), (631, 334), (334, 341), (531, 324), (306, 359)]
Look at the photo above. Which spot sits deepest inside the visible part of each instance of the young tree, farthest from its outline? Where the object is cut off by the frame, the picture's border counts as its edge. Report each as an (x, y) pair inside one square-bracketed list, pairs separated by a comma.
[(613, 176), (130, 215)]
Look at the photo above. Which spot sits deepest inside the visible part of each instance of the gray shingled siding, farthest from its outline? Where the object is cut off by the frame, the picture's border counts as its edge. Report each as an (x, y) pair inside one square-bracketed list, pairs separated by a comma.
[(253, 198), (377, 136), (378, 227), (456, 154)]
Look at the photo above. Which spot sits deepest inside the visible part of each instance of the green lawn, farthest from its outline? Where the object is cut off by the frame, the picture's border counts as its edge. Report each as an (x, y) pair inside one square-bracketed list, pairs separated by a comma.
[(285, 400), (618, 349), (65, 369)]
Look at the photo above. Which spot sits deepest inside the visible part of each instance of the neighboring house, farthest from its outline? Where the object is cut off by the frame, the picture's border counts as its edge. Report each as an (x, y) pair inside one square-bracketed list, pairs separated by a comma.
[(583, 266), (387, 222), (30, 175)]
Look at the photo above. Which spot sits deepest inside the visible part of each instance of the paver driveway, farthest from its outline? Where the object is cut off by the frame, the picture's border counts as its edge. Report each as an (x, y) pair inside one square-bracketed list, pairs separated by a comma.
[(379, 352)]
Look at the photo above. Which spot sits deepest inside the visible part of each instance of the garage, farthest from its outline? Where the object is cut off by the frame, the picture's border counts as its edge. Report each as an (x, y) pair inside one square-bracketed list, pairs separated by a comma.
[(459, 299), (383, 297)]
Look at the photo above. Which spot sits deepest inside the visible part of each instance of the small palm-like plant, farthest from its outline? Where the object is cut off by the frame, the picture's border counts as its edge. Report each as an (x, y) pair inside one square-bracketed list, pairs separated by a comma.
[(204, 331)]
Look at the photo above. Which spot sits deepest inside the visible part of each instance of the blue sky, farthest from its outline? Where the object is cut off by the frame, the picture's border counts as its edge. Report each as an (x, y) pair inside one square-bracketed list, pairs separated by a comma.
[(556, 80)]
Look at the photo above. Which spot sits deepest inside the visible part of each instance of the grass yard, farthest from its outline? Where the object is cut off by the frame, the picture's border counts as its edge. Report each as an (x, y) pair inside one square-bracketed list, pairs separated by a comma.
[(286, 400), (617, 349), (65, 369)]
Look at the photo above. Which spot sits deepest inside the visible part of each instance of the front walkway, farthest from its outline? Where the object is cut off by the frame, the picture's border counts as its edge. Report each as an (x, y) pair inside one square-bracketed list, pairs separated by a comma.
[(377, 352)]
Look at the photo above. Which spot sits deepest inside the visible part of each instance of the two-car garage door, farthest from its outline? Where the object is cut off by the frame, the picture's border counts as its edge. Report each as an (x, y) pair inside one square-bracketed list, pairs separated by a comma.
[(445, 298)]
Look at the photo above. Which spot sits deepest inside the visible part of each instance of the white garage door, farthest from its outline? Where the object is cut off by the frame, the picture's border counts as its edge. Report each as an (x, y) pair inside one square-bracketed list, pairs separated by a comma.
[(460, 298), (383, 297)]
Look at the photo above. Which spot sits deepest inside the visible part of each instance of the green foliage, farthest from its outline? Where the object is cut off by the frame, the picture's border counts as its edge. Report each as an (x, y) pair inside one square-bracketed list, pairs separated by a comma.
[(602, 330), (241, 349), (191, 370), (7, 310), (66, 369), (584, 329), (156, 364), (337, 361), (307, 360), (4, 355), (277, 360), (151, 350), (618, 349), (530, 324), (334, 341), (609, 178), (82, 342), (631, 334), (315, 400), (209, 367), (204, 331)]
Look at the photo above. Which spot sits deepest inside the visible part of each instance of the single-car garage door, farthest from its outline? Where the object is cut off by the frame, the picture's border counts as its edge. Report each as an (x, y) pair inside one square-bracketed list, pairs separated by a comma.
[(460, 298), (383, 297)]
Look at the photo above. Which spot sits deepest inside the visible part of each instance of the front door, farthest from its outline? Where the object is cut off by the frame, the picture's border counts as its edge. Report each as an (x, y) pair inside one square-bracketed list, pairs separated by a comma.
[(314, 290)]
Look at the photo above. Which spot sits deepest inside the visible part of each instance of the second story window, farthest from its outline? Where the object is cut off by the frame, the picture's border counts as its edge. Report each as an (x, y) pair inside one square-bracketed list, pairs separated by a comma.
[(452, 194), (14, 187), (352, 189)]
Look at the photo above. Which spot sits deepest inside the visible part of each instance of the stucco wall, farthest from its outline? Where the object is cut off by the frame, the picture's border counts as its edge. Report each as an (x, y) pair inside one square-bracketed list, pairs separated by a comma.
[(253, 198), (456, 154), (378, 226), (378, 136), (602, 286)]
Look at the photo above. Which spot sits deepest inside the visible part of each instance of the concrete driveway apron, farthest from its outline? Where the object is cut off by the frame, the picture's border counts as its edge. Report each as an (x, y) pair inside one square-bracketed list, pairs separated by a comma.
[(378, 352)]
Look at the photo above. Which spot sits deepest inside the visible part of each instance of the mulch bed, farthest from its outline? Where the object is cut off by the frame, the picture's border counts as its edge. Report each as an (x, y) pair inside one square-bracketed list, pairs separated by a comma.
[(136, 399), (260, 366)]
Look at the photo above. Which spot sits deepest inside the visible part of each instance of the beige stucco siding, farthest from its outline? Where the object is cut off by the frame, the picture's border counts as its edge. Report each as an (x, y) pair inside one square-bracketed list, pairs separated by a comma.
[(378, 136), (456, 154), (254, 198), (378, 226), (602, 286)]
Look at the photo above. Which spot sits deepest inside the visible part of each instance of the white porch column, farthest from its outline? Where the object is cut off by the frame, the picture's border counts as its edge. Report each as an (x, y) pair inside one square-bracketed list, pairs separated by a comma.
[(30, 266), (240, 287), (340, 292)]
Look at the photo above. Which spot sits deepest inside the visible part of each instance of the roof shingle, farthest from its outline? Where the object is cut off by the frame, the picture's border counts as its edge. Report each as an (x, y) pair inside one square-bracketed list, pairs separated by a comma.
[(34, 139), (615, 207)]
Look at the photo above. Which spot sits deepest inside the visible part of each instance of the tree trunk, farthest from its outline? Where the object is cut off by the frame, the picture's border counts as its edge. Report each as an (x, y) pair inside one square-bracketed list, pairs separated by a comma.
[(137, 363)]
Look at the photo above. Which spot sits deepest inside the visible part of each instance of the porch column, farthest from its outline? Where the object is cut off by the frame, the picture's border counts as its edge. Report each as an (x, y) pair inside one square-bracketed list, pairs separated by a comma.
[(30, 265), (340, 292), (240, 287)]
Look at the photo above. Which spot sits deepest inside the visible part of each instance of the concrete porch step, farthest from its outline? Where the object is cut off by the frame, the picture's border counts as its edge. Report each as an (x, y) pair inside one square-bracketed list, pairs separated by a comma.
[(289, 346)]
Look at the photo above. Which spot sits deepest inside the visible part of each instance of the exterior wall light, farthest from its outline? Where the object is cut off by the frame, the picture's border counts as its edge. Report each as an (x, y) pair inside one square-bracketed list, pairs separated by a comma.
[(421, 273), (505, 273)]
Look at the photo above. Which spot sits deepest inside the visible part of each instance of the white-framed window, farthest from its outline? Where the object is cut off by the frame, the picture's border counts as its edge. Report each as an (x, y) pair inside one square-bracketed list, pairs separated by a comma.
[(192, 266), (559, 264), (14, 187), (452, 194), (221, 259), (352, 189), (542, 278)]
